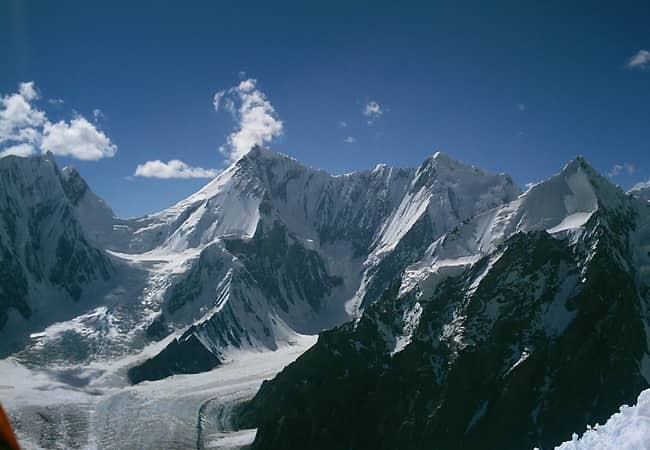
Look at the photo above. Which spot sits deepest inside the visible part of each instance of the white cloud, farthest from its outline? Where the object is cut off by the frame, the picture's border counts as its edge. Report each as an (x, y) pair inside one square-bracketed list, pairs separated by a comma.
[(173, 169), (18, 119), (641, 60), (350, 140), (25, 130), (618, 169), (28, 91), (98, 114), (257, 121), (19, 150), (55, 101), (77, 139), (373, 111), (343, 124)]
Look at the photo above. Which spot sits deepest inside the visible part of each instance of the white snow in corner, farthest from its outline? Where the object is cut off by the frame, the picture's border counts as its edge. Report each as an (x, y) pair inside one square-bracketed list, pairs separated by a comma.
[(411, 321), (575, 220), (629, 429), (408, 212)]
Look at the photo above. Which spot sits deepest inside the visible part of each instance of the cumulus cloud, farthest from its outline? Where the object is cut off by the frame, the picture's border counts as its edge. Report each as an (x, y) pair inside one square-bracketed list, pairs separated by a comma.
[(350, 140), (372, 111), (78, 139), (618, 169), (641, 60), (28, 90), (19, 120), (256, 118), (25, 130), (173, 169)]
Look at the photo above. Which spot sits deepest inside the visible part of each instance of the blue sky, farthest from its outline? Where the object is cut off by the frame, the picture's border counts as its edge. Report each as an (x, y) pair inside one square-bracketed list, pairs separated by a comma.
[(512, 88)]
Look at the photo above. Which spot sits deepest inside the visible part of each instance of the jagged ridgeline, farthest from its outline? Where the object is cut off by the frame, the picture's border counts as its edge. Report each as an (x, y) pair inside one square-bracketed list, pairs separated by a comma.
[(267, 251), (318, 249), (517, 328)]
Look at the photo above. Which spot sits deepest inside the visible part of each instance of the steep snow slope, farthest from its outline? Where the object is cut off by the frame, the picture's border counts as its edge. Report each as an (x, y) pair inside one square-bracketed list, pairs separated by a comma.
[(560, 206)]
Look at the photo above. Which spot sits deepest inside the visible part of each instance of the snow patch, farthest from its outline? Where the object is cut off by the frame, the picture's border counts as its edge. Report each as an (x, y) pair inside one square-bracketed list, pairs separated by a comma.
[(629, 429)]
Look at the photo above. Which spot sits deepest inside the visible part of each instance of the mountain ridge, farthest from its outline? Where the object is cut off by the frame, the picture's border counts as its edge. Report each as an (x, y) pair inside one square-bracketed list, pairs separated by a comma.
[(524, 327), (205, 260)]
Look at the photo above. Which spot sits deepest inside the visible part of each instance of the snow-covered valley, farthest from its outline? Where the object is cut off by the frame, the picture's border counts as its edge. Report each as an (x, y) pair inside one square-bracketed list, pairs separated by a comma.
[(93, 407)]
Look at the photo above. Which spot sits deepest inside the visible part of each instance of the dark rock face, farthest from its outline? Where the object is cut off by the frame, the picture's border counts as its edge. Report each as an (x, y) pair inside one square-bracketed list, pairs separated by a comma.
[(184, 355), (157, 329), (534, 342), (280, 264), (13, 287), (272, 263)]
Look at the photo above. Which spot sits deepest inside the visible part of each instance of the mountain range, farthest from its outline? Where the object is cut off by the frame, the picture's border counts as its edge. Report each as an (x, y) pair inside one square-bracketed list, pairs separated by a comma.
[(454, 311)]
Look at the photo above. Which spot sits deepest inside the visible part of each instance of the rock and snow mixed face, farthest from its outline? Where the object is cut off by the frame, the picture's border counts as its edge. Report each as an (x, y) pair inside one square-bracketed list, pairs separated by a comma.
[(313, 248), (641, 190), (268, 249), (518, 327), (48, 266)]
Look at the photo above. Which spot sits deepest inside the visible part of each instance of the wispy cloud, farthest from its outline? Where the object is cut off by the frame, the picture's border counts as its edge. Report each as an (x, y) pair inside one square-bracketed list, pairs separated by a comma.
[(641, 60), (256, 120), (173, 169), (618, 169), (350, 140), (521, 107), (372, 110), (641, 185), (25, 129)]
